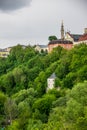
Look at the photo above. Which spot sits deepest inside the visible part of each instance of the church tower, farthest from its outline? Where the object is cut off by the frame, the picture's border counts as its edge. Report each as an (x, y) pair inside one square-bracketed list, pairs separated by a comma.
[(62, 31)]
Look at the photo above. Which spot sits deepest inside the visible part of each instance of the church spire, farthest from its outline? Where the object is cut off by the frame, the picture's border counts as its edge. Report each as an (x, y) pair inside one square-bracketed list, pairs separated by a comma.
[(62, 31)]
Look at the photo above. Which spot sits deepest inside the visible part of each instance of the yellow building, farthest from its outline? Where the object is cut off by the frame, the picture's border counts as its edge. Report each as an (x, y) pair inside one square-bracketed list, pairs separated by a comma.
[(5, 52)]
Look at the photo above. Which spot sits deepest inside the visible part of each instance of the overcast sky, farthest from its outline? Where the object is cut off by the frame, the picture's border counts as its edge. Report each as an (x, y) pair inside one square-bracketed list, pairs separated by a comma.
[(33, 21)]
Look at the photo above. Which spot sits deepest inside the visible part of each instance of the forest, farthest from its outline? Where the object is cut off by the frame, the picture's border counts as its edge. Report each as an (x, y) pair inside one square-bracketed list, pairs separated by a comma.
[(24, 102)]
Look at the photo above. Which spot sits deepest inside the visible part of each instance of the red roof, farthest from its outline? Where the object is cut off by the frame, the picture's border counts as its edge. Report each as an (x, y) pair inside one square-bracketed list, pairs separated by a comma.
[(83, 37)]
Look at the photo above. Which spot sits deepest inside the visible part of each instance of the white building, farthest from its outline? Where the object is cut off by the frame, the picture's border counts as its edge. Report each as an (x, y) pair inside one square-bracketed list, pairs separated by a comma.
[(41, 47), (51, 81), (72, 37)]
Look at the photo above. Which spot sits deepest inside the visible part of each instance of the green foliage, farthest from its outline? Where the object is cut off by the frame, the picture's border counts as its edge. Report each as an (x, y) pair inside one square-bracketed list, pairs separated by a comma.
[(35, 125), (10, 109), (79, 93), (51, 38), (69, 80), (54, 92), (60, 102), (14, 126), (28, 95), (24, 103), (55, 119), (43, 105), (70, 112), (3, 99), (73, 111)]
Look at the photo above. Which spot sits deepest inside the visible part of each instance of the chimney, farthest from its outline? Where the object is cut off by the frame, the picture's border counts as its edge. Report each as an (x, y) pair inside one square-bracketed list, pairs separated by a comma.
[(85, 30)]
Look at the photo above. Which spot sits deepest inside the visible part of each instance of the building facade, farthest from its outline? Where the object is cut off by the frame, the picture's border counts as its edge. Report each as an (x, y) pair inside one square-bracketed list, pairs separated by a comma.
[(68, 40), (40, 48), (72, 37), (5, 52), (51, 81), (63, 43)]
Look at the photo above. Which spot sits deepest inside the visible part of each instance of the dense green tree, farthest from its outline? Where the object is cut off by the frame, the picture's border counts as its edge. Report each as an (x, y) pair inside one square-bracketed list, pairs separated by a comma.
[(28, 95), (55, 92), (55, 120), (35, 125), (44, 104), (24, 103), (16, 54), (24, 113), (14, 126), (69, 80), (3, 99), (10, 109), (51, 38), (35, 61)]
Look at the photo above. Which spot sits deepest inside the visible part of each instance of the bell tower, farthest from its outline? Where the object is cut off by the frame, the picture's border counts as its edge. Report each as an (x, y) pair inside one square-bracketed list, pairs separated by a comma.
[(62, 31)]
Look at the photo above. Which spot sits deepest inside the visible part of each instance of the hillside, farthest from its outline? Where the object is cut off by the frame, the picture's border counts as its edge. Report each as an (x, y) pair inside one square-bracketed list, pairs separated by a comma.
[(24, 103)]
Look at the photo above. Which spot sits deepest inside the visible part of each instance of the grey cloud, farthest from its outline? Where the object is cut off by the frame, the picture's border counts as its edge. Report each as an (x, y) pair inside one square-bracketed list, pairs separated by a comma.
[(8, 5)]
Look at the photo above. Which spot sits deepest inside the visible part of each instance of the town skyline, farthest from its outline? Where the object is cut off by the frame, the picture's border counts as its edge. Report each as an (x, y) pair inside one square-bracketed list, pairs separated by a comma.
[(33, 21)]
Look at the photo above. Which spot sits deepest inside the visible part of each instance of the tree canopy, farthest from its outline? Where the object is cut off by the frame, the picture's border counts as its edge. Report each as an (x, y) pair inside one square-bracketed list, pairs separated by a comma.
[(24, 102), (51, 38)]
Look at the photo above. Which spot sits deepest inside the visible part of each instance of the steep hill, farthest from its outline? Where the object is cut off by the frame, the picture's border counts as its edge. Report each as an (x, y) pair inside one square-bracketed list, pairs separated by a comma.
[(24, 103)]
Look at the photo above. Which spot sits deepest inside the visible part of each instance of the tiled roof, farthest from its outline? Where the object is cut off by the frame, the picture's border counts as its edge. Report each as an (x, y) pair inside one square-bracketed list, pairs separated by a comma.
[(60, 41), (83, 37), (76, 37)]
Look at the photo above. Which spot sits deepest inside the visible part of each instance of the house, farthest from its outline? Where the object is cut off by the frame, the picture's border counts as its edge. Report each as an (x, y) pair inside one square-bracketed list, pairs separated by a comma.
[(3, 53), (83, 38), (51, 81), (72, 37), (40, 48), (8, 49), (76, 38)]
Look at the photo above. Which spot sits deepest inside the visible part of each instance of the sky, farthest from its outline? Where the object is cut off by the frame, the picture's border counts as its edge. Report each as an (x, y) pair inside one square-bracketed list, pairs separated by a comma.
[(31, 22)]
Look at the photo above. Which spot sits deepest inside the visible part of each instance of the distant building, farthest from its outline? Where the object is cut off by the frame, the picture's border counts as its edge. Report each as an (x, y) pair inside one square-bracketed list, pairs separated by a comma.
[(76, 38), (68, 40), (72, 37), (5, 52), (83, 38), (8, 49), (51, 81), (65, 43), (40, 48)]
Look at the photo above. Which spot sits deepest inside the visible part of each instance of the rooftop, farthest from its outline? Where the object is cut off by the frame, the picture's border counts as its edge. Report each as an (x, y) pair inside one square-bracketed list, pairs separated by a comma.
[(60, 41), (83, 37), (42, 46), (75, 36), (53, 76)]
